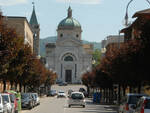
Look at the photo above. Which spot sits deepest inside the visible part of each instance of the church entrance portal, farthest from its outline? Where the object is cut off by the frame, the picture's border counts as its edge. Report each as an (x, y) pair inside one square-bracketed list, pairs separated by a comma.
[(68, 77)]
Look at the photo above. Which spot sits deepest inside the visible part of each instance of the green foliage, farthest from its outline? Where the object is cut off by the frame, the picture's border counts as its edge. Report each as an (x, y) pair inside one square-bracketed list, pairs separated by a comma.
[(96, 57)]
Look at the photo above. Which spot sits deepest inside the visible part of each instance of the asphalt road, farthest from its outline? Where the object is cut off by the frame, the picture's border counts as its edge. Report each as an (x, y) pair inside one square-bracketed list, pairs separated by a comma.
[(59, 105)]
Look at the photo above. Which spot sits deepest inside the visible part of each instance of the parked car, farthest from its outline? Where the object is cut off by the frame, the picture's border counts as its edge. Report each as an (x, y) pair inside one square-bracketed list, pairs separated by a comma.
[(27, 100), (63, 84), (77, 98), (61, 94), (33, 98), (128, 101), (3, 107), (18, 98), (37, 99), (13, 102), (52, 93), (7, 101), (143, 105), (83, 91)]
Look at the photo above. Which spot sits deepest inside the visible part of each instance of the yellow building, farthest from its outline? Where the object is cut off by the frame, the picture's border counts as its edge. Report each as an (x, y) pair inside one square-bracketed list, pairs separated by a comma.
[(22, 27)]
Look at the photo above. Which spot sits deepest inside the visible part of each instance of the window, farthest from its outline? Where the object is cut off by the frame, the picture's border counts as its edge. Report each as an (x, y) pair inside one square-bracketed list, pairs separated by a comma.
[(68, 58), (77, 35), (77, 96), (75, 70), (61, 35)]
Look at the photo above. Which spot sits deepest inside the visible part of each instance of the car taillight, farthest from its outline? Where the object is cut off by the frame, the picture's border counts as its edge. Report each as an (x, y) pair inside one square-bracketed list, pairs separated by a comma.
[(142, 109), (127, 107), (143, 105)]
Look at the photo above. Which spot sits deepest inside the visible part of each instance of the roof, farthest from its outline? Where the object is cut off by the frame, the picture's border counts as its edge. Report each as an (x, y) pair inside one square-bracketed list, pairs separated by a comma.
[(69, 21), (33, 20), (76, 92), (136, 94), (143, 12), (19, 17)]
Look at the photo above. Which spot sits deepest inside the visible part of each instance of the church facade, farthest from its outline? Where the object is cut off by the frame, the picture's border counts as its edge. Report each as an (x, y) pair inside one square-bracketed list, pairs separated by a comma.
[(69, 57)]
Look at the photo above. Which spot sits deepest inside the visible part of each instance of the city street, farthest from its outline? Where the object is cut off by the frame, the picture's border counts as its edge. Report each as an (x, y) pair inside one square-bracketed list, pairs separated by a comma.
[(59, 105)]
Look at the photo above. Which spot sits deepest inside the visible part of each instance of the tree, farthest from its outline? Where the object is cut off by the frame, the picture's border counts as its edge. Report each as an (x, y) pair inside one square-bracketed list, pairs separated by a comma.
[(9, 44), (96, 57)]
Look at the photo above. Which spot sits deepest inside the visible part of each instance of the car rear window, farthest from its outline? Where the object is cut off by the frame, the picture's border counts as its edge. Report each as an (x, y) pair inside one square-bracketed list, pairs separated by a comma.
[(147, 105), (12, 98), (24, 95), (133, 99), (77, 96), (5, 98)]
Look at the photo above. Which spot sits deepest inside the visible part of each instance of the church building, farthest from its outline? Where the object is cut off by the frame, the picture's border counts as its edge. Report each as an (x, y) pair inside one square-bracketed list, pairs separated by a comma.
[(69, 57)]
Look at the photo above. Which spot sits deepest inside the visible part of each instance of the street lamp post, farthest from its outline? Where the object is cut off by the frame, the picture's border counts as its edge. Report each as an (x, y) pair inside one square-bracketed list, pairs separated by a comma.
[(126, 15)]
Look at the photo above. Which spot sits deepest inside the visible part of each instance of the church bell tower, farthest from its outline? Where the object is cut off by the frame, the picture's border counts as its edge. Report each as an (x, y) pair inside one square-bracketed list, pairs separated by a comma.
[(36, 32)]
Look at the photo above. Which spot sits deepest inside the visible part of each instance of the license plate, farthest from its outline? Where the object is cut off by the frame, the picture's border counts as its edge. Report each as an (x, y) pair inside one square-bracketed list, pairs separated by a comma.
[(76, 101)]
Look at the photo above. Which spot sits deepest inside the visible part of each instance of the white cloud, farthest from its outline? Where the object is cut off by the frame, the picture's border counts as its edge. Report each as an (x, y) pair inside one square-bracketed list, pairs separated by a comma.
[(11, 2), (81, 1)]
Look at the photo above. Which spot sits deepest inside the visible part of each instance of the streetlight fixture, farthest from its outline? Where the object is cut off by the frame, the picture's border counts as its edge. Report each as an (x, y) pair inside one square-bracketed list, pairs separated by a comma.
[(126, 15)]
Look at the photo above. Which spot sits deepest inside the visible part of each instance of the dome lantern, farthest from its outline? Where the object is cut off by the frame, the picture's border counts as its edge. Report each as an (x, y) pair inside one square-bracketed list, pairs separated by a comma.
[(69, 12), (69, 22)]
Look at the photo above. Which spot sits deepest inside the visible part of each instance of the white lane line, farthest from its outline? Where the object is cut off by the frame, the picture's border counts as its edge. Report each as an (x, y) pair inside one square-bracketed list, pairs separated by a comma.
[(65, 105)]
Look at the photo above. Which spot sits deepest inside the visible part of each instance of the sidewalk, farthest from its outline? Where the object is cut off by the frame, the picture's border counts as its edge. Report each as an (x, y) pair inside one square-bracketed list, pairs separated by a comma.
[(115, 107)]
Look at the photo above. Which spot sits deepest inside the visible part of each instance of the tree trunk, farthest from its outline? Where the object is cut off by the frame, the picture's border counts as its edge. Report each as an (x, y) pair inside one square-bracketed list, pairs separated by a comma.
[(88, 90), (4, 85), (104, 93), (16, 86), (24, 88), (11, 84), (124, 90), (20, 87), (119, 96), (130, 89), (139, 87)]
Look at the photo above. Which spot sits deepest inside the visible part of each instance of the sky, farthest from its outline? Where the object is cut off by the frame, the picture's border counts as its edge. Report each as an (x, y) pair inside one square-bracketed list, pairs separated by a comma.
[(98, 18)]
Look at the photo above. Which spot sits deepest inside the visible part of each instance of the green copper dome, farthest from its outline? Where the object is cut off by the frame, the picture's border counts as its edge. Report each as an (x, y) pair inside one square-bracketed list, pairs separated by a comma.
[(69, 22)]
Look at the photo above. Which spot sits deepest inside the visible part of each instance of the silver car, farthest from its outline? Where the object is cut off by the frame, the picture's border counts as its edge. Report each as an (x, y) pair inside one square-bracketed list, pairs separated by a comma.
[(129, 101), (76, 98)]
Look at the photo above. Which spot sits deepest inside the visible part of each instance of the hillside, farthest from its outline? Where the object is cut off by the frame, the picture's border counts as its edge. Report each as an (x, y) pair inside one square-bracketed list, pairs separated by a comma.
[(52, 39)]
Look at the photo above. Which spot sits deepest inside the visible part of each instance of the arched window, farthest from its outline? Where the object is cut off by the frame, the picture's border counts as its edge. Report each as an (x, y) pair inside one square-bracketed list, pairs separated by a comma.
[(77, 35), (68, 58), (61, 35)]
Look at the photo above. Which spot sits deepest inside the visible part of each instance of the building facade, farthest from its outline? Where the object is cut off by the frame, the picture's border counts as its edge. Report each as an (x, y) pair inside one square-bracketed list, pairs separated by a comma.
[(68, 57), (22, 27), (112, 39)]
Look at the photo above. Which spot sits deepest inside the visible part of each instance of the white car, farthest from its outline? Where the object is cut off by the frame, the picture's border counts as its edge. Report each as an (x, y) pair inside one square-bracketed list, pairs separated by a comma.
[(37, 99), (129, 101), (143, 105), (3, 108), (61, 94), (76, 98), (7, 101)]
